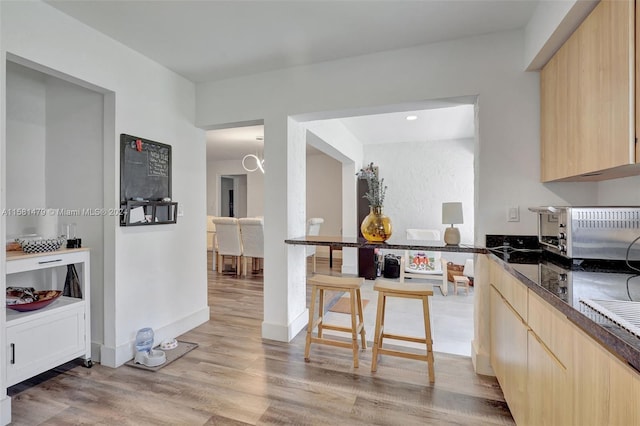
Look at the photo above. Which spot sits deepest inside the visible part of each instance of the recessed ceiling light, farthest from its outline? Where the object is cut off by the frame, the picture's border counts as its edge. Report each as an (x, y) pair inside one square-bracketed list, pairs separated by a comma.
[(412, 117)]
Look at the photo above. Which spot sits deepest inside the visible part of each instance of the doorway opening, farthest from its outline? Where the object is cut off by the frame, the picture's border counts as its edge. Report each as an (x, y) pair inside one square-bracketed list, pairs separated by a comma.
[(233, 196), (426, 161)]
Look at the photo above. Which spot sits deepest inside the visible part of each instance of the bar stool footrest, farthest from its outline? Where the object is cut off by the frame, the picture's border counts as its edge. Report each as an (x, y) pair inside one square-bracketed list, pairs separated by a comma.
[(332, 342), (405, 338), (402, 354)]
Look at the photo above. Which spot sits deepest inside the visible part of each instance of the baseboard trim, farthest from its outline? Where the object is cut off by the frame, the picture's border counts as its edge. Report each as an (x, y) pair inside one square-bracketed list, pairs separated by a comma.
[(115, 357), (481, 362), (282, 333), (5, 410)]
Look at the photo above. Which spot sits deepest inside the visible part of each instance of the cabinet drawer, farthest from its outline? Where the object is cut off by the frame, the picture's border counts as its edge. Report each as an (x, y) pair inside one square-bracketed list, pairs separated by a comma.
[(550, 326), (43, 343), (514, 292), (45, 260)]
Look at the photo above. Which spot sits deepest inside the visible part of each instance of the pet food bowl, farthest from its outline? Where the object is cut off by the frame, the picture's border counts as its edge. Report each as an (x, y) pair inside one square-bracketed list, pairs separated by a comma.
[(153, 358), (169, 344)]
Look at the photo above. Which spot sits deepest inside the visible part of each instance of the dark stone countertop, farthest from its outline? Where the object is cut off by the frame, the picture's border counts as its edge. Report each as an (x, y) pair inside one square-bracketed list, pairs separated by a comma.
[(588, 281), (392, 244)]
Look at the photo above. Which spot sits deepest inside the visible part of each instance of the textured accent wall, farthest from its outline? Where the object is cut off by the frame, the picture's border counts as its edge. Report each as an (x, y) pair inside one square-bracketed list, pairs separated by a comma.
[(421, 176)]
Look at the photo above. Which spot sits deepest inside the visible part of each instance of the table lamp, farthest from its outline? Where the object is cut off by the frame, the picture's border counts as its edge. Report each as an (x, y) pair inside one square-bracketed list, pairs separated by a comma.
[(452, 215)]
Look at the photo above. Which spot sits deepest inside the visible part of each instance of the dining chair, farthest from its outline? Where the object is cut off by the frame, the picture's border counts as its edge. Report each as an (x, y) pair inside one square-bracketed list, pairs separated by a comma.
[(313, 228), (422, 264), (252, 235), (229, 242)]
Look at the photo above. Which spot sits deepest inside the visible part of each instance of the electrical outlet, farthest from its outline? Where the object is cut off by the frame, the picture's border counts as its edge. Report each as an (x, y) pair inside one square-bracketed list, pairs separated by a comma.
[(180, 211), (513, 214)]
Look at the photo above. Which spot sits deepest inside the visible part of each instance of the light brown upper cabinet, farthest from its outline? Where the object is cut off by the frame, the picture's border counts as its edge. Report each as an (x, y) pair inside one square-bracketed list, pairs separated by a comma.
[(588, 99)]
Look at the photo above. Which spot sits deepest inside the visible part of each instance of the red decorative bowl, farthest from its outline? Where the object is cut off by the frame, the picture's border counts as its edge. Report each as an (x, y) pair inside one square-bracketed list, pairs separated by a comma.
[(45, 297)]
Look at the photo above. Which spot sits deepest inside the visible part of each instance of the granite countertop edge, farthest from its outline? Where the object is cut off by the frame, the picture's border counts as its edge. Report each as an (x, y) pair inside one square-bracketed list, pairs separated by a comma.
[(417, 245), (616, 345)]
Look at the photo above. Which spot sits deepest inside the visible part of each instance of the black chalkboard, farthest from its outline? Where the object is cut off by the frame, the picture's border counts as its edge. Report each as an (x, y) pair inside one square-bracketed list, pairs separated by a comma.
[(145, 169)]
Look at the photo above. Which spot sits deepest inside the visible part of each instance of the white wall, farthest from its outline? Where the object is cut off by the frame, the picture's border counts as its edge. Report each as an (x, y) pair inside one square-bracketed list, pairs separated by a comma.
[(324, 194), (331, 137), (420, 176), (154, 276), (26, 133)]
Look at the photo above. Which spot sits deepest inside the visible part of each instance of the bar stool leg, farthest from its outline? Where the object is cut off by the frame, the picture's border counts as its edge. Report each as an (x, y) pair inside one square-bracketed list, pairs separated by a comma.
[(363, 338), (376, 336), (429, 341), (320, 312), (354, 327), (307, 347), (384, 310)]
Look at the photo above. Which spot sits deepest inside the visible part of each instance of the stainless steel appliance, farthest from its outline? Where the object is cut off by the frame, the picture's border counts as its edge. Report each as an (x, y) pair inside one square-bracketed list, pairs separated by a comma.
[(589, 232)]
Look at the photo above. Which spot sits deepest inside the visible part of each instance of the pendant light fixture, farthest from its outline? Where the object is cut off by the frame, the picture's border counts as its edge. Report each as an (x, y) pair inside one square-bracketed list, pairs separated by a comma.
[(252, 162)]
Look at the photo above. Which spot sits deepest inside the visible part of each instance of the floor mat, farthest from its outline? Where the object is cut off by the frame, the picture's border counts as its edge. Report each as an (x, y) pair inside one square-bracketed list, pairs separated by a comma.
[(182, 349), (343, 305)]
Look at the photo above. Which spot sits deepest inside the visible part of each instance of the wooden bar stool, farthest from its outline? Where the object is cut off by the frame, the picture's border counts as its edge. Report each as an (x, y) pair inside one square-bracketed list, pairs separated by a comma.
[(460, 281), (350, 285), (411, 291)]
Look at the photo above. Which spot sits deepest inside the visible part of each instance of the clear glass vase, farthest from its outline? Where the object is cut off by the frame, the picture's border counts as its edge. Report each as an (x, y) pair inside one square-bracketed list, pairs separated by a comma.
[(376, 227)]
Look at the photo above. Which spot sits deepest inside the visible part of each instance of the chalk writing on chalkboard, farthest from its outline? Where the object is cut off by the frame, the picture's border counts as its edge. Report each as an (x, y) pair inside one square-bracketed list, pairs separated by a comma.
[(159, 162)]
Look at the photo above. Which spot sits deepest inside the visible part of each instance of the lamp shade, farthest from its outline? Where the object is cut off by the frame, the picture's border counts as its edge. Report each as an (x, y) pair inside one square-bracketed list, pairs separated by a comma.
[(452, 213)]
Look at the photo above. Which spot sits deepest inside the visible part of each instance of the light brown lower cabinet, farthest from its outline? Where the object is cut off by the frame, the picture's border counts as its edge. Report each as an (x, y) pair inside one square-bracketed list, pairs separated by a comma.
[(624, 394), (548, 386), (509, 354), (550, 371), (605, 390)]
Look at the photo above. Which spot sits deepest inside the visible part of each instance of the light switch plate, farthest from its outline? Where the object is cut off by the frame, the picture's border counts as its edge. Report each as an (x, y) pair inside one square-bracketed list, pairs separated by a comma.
[(513, 214)]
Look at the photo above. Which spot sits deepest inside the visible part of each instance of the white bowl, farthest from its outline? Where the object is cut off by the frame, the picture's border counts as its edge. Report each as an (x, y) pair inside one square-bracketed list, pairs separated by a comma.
[(169, 344)]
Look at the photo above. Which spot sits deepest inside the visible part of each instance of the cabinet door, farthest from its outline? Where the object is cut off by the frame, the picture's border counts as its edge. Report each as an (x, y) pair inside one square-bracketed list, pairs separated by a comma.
[(36, 346), (587, 97), (555, 160), (590, 379), (509, 354), (624, 394), (548, 387)]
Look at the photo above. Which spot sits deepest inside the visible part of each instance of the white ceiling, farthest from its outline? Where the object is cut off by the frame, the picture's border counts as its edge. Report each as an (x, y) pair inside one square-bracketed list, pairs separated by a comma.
[(430, 125), (213, 39), (207, 40)]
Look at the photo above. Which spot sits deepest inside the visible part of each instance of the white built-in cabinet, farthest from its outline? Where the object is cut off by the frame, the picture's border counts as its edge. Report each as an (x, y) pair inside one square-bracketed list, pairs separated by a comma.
[(40, 340)]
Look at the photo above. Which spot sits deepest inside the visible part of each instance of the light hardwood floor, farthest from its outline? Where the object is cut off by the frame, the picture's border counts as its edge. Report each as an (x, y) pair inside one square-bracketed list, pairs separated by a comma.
[(235, 377)]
